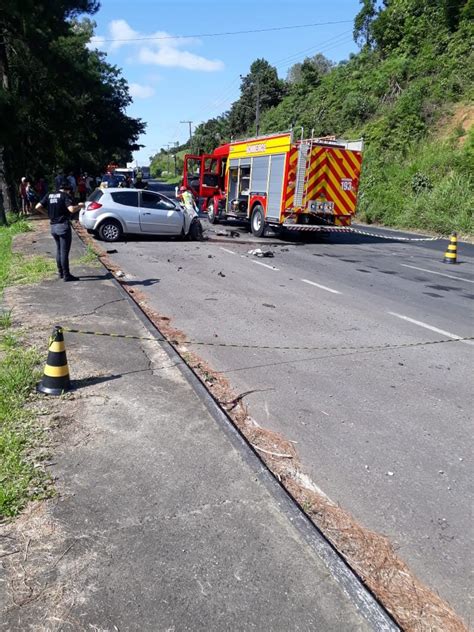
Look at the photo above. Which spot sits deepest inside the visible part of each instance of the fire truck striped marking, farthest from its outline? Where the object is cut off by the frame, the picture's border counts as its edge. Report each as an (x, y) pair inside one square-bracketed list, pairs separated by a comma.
[(345, 164), (290, 189), (355, 160), (319, 160), (343, 195), (345, 204)]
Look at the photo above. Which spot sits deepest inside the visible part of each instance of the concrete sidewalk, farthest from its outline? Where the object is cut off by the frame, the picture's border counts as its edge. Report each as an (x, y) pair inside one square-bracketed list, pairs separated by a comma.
[(165, 518)]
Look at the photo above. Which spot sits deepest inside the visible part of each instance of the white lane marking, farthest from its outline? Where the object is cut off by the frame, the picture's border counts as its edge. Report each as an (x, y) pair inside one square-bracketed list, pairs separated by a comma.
[(259, 263), (321, 287), (450, 276), (431, 328), (231, 252)]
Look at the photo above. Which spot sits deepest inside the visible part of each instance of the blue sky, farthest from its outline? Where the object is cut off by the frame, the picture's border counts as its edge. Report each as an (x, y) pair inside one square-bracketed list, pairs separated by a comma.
[(175, 79)]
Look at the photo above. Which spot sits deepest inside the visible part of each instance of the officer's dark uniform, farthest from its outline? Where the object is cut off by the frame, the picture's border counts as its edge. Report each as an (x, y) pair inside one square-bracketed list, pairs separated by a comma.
[(57, 205)]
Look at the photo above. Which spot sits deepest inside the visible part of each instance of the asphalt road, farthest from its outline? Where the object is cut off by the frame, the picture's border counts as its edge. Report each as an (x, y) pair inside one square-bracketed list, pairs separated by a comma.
[(387, 434)]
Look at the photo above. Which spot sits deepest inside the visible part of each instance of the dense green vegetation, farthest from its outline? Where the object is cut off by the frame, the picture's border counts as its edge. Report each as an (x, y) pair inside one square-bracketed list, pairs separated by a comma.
[(414, 72), (62, 106)]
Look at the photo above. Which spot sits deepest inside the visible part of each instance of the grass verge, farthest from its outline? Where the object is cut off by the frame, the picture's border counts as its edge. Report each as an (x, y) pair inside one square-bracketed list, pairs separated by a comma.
[(90, 257), (16, 268), (21, 475)]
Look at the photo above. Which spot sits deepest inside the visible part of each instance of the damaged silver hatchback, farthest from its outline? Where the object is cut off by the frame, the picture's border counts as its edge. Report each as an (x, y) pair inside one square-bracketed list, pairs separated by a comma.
[(112, 213)]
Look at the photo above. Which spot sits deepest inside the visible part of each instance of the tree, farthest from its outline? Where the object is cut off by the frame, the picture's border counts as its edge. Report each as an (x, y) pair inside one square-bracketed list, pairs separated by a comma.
[(61, 105), (314, 68), (363, 23), (260, 90), (212, 133)]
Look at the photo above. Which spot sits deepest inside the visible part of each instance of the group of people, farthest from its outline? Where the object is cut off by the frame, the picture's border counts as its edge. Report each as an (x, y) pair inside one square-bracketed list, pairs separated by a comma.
[(111, 179), (30, 193), (81, 186)]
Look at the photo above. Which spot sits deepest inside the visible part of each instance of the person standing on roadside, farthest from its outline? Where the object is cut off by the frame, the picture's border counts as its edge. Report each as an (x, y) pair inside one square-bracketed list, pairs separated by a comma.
[(58, 178), (41, 188), (72, 183), (59, 207), (24, 198), (90, 183), (190, 207), (81, 188)]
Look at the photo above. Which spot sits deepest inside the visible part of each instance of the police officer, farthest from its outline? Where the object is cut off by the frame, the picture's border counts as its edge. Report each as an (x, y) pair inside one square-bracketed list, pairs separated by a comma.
[(59, 206)]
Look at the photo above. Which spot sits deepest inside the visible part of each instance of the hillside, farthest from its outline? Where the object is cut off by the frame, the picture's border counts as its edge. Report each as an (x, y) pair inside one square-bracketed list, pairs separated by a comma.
[(408, 93)]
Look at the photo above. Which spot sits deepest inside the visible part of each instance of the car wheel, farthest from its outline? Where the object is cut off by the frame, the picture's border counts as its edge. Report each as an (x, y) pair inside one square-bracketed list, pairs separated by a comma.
[(195, 230), (257, 221), (211, 214), (110, 230)]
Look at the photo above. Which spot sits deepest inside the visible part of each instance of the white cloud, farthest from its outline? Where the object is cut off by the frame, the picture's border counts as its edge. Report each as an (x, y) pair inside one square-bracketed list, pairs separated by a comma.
[(172, 57), (120, 31), (159, 48), (138, 91)]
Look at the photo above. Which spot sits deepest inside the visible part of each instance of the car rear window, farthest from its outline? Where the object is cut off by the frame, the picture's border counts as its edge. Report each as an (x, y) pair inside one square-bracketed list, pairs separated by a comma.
[(95, 196), (127, 198)]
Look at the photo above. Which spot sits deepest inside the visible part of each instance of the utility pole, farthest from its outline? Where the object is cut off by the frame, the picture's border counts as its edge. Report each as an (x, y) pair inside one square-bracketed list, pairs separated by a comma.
[(190, 133), (176, 143), (168, 145), (257, 108)]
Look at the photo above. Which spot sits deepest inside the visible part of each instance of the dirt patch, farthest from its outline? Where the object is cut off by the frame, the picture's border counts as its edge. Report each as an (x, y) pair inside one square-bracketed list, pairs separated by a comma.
[(45, 571), (460, 120), (415, 607)]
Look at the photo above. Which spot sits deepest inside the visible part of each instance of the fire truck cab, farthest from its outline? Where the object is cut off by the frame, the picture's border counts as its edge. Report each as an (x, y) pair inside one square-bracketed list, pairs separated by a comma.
[(279, 182)]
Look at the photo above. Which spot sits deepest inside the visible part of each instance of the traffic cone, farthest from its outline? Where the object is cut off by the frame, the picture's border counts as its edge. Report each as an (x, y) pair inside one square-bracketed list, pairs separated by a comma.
[(451, 254), (56, 372)]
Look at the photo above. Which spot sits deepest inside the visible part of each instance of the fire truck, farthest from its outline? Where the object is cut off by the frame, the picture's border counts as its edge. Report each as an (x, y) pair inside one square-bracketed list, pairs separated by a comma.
[(278, 181)]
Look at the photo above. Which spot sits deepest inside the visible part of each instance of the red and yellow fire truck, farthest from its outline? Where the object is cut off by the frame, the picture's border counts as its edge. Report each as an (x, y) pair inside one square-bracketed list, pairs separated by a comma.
[(278, 181)]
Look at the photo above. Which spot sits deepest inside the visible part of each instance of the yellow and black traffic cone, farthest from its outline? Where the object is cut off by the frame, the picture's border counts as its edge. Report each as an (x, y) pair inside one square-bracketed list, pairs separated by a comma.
[(451, 254), (56, 372)]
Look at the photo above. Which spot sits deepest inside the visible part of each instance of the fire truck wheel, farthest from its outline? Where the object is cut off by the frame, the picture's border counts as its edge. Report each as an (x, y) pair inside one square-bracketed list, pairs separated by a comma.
[(211, 214), (257, 222)]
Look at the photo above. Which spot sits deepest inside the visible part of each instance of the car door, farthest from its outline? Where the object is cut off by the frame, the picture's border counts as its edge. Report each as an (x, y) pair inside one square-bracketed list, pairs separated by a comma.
[(125, 207), (159, 215)]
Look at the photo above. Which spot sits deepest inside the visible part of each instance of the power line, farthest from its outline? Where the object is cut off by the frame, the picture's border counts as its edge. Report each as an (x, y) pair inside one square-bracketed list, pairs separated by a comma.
[(341, 38), (225, 33), (321, 47)]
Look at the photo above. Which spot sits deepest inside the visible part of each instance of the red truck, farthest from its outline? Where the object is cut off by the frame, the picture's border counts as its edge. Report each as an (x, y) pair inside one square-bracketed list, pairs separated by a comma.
[(278, 181)]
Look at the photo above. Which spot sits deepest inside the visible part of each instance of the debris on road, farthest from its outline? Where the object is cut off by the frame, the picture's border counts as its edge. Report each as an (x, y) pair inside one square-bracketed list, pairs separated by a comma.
[(112, 252), (209, 256), (268, 305), (227, 233), (221, 274), (258, 252), (119, 274)]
